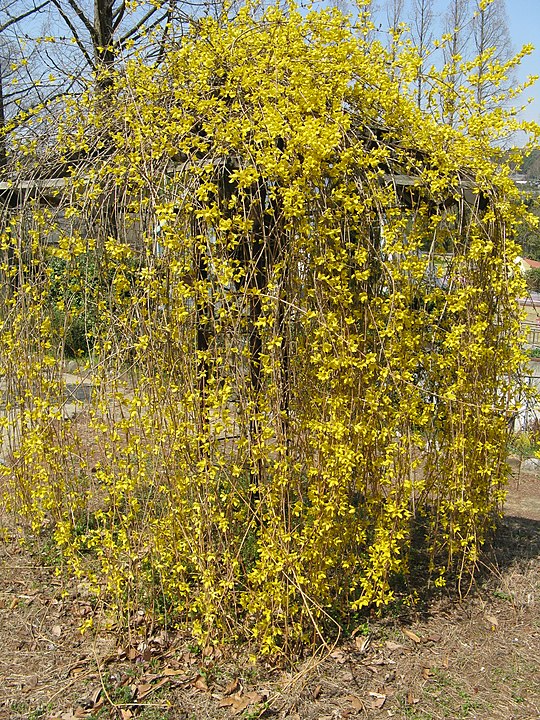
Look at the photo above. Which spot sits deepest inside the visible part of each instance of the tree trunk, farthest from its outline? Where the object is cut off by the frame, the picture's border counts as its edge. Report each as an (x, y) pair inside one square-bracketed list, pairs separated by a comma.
[(103, 42)]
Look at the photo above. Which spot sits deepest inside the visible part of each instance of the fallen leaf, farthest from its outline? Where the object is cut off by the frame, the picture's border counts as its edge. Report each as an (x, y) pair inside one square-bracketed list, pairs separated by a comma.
[(232, 687), (200, 683), (143, 690), (173, 672), (390, 645), (492, 620), (254, 697), (238, 703), (57, 630), (161, 639), (339, 656), (412, 636), (225, 702), (126, 714), (362, 642), (240, 707), (356, 702), (132, 654), (208, 651), (427, 673), (317, 692), (148, 678), (377, 700)]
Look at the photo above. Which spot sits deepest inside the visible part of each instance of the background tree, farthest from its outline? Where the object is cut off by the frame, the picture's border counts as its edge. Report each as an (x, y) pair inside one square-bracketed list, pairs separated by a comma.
[(457, 25), (532, 278), (394, 16), (394, 13), (528, 235), (491, 44), (110, 30), (57, 48), (422, 33), (18, 83)]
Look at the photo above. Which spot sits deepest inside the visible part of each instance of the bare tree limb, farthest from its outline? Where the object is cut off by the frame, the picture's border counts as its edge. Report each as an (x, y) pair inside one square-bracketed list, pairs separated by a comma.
[(75, 34), (118, 15), (132, 31), (82, 17), (22, 16)]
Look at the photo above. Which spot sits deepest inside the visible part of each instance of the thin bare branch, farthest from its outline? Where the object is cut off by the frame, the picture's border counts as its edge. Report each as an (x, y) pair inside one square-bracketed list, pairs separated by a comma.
[(22, 16), (132, 31), (76, 37), (118, 15), (82, 17)]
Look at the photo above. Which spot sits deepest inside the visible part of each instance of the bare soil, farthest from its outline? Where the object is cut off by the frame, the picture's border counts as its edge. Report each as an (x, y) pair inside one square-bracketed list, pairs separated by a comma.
[(478, 657)]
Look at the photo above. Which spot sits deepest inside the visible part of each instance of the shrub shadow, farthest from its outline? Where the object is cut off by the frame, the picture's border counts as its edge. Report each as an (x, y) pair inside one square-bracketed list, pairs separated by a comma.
[(515, 540)]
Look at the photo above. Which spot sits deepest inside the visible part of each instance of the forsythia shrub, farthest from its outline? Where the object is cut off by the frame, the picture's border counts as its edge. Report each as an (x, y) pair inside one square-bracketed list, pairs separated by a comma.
[(298, 290)]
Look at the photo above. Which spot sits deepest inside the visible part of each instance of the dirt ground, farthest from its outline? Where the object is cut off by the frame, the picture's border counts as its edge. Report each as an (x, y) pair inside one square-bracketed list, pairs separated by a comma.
[(478, 658)]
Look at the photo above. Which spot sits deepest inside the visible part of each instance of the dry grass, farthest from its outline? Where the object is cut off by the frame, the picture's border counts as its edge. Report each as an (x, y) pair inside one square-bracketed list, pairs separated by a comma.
[(478, 658)]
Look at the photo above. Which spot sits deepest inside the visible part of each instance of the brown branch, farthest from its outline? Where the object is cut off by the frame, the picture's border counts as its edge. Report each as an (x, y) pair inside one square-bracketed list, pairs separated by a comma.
[(138, 25), (82, 17), (75, 33), (118, 15), (22, 16)]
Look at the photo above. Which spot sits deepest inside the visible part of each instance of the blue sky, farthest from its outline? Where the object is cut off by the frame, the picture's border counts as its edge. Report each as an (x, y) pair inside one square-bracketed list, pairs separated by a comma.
[(524, 21), (524, 25)]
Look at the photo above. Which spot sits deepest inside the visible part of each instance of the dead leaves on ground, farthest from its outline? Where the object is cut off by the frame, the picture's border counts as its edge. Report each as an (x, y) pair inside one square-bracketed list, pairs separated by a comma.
[(412, 636), (492, 622), (193, 673), (134, 694), (240, 701), (382, 660), (237, 700)]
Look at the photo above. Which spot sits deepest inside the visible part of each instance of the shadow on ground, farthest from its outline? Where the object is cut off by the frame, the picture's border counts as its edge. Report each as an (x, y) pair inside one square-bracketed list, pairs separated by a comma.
[(516, 538)]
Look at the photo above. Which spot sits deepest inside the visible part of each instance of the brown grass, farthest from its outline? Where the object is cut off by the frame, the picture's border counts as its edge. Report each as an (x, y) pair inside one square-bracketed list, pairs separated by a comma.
[(452, 660)]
